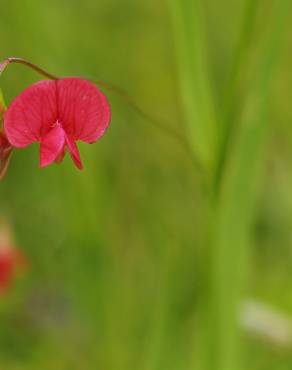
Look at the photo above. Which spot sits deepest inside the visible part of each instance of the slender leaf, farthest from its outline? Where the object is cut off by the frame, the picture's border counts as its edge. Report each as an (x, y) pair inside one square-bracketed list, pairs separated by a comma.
[(193, 77)]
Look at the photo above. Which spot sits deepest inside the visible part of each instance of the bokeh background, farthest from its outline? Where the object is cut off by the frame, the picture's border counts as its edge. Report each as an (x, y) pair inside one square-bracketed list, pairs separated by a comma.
[(125, 270)]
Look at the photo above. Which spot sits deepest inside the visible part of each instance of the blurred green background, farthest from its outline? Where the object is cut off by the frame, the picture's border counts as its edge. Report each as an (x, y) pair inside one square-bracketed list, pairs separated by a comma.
[(144, 261)]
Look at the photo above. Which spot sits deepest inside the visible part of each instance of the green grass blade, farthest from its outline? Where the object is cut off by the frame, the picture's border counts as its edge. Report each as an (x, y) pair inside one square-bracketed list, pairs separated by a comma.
[(193, 78)]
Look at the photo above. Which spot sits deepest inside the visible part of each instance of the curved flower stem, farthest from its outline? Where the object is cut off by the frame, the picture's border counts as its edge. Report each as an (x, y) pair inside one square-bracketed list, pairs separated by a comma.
[(157, 122), (119, 92), (33, 66), (103, 84), (161, 125)]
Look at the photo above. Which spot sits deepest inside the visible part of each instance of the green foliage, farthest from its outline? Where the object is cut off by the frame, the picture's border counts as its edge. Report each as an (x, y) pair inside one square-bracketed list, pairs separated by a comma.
[(235, 183), (133, 264)]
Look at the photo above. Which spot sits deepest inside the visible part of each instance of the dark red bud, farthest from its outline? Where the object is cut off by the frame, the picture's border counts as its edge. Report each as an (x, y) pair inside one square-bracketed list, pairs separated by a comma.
[(5, 154)]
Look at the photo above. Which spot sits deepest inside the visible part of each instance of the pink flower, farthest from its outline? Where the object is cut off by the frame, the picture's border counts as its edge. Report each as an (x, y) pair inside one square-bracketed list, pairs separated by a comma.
[(57, 114)]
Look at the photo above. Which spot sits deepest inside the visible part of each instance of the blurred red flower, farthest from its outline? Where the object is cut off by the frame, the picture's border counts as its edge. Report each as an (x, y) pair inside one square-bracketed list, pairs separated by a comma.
[(10, 261)]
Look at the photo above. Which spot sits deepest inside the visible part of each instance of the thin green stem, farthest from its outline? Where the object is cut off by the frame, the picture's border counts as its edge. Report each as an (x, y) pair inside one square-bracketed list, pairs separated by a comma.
[(156, 122), (164, 126), (33, 66), (119, 92)]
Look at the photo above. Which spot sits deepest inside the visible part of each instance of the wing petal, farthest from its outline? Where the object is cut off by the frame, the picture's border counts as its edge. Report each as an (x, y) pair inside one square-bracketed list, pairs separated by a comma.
[(83, 109), (51, 146), (31, 114), (74, 152)]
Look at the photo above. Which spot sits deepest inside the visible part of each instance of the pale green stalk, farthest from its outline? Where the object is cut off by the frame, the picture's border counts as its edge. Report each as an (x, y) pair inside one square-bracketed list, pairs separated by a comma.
[(234, 209), (239, 67)]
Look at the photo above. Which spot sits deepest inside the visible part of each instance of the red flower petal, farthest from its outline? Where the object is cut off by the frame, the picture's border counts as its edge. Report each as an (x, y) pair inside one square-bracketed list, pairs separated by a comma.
[(76, 104), (31, 114), (51, 146), (74, 152), (83, 109)]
